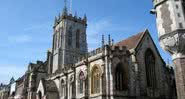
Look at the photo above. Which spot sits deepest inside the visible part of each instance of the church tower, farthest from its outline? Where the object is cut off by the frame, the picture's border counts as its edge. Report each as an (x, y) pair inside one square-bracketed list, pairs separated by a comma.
[(69, 39), (170, 17)]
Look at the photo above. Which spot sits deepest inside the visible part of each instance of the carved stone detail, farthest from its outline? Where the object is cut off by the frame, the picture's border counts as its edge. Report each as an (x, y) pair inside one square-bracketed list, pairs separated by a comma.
[(174, 43)]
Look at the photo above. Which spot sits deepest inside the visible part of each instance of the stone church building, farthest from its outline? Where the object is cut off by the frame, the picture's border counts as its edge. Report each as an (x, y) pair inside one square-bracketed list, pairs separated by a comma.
[(129, 69)]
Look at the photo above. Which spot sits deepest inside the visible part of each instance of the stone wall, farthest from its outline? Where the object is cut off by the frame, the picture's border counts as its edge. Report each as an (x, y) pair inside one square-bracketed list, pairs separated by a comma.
[(147, 43), (180, 77)]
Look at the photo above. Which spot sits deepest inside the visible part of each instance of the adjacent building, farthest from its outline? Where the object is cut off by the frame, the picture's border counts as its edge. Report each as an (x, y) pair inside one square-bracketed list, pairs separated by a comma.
[(170, 19), (26, 86), (4, 91)]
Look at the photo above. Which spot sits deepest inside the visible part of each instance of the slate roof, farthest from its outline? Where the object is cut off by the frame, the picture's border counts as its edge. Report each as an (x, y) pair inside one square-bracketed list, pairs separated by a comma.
[(132, 41)]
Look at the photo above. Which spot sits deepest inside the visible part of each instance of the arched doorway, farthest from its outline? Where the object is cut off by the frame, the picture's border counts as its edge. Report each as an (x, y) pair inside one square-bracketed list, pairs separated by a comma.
[(39, 95)]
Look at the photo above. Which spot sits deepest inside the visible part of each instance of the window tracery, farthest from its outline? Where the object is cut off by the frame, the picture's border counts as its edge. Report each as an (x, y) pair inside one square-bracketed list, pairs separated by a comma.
[(95, 80), (120, 78), (150, 68)]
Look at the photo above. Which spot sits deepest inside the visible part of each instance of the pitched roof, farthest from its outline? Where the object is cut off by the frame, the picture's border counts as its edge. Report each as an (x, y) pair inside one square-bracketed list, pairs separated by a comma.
[(132, 41)]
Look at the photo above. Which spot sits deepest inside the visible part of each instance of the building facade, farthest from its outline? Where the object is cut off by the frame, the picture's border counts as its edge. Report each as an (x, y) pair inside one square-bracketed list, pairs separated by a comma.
[(26, 86), (129, 69), (4, 91), (170, 17)]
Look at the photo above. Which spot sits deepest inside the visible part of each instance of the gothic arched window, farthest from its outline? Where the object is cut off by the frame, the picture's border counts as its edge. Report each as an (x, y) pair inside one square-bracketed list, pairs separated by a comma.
[(95, 80), (78, 39), (81, 82), (70, 36), (150, 68), (63, 88), (121, 81)]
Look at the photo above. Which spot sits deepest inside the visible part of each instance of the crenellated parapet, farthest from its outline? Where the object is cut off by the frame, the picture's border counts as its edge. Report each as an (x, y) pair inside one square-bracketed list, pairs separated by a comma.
[(71, 17), (95, 52), (119, 51), (33, 67)]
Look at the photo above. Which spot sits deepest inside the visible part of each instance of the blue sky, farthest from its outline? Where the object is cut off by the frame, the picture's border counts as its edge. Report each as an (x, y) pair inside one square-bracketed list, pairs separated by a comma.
[(26, 27)]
